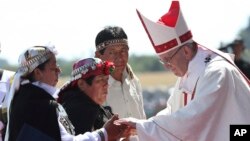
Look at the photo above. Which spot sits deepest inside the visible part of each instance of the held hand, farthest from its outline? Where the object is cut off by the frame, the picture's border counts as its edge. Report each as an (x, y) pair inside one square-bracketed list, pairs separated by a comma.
[(114, 131), (131, 130), (127, 133), (130, 122)]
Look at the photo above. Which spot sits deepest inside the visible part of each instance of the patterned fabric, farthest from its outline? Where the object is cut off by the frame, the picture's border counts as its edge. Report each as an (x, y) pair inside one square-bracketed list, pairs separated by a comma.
[(63, 118), (33, 57), (114, 42)]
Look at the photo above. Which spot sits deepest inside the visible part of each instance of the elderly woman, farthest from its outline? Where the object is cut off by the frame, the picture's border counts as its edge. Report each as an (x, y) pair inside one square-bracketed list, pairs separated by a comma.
[(83, 96), (34, 114)]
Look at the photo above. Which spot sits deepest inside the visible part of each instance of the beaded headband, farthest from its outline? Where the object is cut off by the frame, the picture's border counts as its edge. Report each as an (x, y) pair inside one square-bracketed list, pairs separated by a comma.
[(85, 68), (33, 57), (111, 42), (94, 66)]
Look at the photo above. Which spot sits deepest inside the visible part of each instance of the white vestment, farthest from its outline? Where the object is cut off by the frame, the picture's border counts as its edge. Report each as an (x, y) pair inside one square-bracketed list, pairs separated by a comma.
[(217, 96)]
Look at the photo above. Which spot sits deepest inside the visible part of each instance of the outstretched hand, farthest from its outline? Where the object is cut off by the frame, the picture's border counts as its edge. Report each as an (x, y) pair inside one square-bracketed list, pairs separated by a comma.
[(131, 127), (130, 122), (114, 131)]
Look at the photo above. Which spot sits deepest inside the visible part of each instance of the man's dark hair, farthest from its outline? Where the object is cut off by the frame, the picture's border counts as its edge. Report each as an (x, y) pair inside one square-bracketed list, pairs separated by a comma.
[(110, 33)]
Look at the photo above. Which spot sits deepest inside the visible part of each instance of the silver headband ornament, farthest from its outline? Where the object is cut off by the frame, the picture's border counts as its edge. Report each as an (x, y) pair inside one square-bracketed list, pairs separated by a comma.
[(79, 72), (114, 42), (91, 66), (33, 57)]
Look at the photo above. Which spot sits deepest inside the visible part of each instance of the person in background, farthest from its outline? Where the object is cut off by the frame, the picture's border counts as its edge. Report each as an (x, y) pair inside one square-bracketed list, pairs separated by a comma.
[(124, 91), (238, 48), (33, 113), (82, 97), (5, 81), (241, 60), (211, 94)]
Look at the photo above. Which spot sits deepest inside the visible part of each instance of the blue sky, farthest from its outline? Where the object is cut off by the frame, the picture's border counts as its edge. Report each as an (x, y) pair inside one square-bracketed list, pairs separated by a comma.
[(73, 24)]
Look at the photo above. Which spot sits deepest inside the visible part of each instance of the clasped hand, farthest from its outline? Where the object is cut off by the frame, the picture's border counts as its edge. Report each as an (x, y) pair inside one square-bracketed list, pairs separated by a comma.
[(120, 128)]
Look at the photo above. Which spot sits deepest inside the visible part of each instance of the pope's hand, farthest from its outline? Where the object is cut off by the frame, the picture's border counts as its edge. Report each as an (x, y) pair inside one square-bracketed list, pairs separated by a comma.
[(114, 131), (131, 122)]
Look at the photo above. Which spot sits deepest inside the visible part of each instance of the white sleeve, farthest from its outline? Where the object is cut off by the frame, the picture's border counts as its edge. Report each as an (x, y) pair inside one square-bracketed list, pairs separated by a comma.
[(149, 131), (88, 136)]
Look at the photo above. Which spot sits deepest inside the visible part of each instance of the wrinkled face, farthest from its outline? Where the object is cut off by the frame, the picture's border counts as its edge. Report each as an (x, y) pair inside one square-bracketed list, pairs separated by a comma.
[(98, 90), (176, 60), (50, 73), (117, 54)]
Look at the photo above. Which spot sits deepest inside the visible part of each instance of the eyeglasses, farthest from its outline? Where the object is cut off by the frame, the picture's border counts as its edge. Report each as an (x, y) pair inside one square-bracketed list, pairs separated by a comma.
[(168, 60)]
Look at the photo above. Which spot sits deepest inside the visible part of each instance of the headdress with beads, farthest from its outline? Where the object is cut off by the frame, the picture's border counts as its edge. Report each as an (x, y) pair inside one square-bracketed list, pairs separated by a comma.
[(33, 57), (84, 69), (91, 67)]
